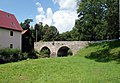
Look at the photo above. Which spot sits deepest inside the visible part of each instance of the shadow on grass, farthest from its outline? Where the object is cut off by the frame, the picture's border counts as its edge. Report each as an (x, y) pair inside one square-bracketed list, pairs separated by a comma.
[(105, 55)]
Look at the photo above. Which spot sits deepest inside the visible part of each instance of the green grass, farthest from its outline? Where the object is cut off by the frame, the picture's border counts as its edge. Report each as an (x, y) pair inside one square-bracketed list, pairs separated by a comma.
[(102, 52), (74, 69)]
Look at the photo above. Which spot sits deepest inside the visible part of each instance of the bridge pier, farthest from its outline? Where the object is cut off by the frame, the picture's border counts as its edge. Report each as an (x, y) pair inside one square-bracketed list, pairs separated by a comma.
[(53, 54)]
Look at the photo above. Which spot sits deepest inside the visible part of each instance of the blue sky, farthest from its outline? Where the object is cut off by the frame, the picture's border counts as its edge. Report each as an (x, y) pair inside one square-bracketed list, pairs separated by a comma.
[(25, 8), (51, 12)]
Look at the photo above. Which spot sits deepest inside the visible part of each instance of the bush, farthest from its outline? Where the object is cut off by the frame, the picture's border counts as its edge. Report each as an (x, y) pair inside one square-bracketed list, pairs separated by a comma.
[(9, 55), (69, 53), (14, 55), (44, 53), (24, 56), (32, 55)]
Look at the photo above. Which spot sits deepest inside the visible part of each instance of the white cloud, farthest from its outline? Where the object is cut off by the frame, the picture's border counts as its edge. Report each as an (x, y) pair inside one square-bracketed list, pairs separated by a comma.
[(63, 19), (46, 18), (49, 16), (66, 4), (40, 8), (49, 13), (40, 18)]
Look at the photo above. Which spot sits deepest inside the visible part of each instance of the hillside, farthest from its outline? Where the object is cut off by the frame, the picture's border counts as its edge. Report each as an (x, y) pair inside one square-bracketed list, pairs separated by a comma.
[(102, 52), (82, 68)]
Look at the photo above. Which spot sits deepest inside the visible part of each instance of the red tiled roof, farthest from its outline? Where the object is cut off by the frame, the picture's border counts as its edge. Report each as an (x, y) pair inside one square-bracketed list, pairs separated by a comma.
[(8, 21)]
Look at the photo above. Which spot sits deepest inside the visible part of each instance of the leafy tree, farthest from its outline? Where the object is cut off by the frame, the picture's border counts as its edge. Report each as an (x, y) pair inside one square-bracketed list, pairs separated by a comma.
[(50, 33), (90, 18), (112, 18), (74, 34), (26, 24), (68, 36), (97, 19), (45, 33), (38, 31)]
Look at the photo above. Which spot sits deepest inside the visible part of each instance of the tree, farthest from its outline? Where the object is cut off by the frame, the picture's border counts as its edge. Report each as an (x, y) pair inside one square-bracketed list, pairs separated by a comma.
[(45, 33), (26, 24), (112, 18), (91, 17), (38, 31), (74, 34), (98, 20), (50, 33)]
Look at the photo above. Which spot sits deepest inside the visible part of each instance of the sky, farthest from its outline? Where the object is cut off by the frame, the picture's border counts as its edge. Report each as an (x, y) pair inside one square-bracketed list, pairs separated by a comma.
[(58, 13)]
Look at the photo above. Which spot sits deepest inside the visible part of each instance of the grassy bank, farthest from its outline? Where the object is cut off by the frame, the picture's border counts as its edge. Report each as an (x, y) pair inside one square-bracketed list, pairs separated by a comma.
[(102, 52), (76, 69)]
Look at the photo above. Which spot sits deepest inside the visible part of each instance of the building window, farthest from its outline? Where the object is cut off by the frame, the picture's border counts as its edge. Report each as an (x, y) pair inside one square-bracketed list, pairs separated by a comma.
[(11, 45), (11, 33), (12, 23), (8, 16)]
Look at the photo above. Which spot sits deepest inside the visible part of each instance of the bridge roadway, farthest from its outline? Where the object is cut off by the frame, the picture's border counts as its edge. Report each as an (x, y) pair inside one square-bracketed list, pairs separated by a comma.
[(56, 46)]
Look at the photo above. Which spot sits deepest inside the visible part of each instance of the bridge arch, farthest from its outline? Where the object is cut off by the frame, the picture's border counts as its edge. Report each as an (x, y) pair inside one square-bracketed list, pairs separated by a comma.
[(64, 51), (46, 50)]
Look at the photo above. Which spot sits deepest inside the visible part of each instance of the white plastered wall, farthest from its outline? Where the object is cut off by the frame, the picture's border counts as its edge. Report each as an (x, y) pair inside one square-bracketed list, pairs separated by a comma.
[(6, 39)]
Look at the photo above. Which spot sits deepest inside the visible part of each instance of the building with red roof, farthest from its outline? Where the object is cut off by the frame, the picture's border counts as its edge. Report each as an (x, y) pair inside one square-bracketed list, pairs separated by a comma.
[(10, 31)]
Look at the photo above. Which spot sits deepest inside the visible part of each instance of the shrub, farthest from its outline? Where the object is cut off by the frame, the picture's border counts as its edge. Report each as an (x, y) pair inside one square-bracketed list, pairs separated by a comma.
[(9, 55), (32, 54), (44, 53), (24, 56), (15, 55), (69, 53)]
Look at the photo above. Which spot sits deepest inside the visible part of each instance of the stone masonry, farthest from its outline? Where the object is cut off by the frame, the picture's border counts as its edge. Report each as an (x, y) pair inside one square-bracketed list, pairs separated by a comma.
[(56, 45)]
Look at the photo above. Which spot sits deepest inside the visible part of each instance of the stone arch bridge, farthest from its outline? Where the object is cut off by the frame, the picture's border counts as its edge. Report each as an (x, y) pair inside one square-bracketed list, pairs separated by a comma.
[(58, 46)]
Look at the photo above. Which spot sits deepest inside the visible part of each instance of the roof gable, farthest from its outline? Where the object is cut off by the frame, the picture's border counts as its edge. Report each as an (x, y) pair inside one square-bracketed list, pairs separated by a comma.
[(8, 21)]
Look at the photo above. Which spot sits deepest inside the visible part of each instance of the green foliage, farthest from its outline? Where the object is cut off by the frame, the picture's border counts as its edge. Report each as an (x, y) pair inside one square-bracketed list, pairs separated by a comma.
[(66, 36), (49, 33), (32, 54), (24, 55), (112, 18), (26, 24), (38, 31), (14, 55), (103, 52), (69, 53), (98, 20), (45, 33), (10, 55), (72, 35), (44, 53)]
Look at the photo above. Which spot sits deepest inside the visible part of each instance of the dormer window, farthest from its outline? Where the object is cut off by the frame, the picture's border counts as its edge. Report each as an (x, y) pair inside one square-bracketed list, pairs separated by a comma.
[(11, 33), (12, 23), (8, 15)]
